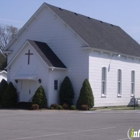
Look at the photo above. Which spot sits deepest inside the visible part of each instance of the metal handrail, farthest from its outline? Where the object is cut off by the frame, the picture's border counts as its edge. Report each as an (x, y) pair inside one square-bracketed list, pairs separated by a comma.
[(134, 100)]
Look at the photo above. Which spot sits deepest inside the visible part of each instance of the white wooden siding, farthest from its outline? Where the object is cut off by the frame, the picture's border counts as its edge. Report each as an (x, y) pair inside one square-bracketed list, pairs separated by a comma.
[(99, 60), (20, 67), (54, 94)]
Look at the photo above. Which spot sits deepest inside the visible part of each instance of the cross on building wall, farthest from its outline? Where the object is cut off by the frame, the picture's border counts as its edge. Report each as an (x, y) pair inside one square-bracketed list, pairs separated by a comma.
[(29, 53)]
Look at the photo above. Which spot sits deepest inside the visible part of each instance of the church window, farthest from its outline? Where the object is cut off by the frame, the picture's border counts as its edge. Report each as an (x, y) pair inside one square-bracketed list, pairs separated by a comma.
[(55, 84), (104, 77), (132, 83), (119, 82)]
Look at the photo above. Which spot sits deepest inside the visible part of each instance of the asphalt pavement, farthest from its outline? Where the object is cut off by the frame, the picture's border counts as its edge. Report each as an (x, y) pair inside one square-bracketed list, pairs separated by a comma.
[(67, 125)]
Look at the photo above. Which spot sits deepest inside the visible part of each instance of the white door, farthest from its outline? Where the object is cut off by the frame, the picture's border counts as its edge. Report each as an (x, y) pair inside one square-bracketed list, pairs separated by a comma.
[(27, 90)]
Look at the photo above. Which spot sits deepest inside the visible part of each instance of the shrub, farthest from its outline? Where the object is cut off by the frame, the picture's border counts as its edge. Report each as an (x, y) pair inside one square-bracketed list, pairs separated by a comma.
[(86, 96), (3, 62), (54, 106), (35, 107), (60, 107), (84, 107), (40, 98), (66, 93), (51, 108), (65, 106), (73, 107), (10, 97), (3, 86)]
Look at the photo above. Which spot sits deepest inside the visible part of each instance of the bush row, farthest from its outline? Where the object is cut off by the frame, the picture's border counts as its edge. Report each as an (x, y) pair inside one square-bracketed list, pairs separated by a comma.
[(62, 107), (85, 100), (8, 95)]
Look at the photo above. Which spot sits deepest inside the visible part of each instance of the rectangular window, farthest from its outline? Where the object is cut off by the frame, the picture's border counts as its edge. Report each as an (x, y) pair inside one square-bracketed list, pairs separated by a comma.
[(103, 81), (119, 82), (55, 84), (132, 83)]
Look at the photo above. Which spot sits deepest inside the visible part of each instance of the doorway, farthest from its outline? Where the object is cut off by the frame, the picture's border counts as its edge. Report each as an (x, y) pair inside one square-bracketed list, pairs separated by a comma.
[(27, 90)]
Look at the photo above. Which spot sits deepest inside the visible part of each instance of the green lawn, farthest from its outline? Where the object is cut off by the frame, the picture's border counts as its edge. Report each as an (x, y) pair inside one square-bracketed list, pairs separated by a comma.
[(115, 108)]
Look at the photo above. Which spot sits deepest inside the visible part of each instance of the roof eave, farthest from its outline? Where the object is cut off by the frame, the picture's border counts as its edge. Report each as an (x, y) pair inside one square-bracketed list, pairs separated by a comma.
[(3, 71), (57, 68), (110, 52), (7, 52)]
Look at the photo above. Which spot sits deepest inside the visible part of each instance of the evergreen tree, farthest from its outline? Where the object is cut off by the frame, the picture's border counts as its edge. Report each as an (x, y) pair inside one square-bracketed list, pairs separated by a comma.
[(86, 96), (2, 61), (66, 93), (10, 97), (3, 86), (40, 98)]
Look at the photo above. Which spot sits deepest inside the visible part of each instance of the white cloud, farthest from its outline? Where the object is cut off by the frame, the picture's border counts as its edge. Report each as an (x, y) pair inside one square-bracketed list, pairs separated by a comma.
[(9, 20)]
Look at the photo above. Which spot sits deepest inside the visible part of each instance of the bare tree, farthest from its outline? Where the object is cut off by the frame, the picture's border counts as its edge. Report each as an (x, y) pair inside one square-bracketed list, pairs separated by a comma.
[(7, 33)]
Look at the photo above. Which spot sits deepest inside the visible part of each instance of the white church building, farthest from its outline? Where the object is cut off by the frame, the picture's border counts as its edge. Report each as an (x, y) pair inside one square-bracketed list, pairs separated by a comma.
[(55, 43)]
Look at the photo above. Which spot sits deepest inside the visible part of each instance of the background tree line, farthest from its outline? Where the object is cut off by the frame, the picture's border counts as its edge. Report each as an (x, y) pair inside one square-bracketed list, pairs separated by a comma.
[(7, 33)]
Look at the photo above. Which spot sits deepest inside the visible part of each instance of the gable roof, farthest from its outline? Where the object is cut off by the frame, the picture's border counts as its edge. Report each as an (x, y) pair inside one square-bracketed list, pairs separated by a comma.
[(47, 54), (98, 34)]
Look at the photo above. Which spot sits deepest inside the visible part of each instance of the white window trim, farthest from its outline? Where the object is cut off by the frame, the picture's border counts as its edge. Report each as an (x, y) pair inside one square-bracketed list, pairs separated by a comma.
[(103, 95), (132, 95), (119, 95)]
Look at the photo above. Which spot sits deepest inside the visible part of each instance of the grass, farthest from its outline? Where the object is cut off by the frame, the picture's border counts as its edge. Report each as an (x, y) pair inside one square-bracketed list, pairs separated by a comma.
[(116, 108)]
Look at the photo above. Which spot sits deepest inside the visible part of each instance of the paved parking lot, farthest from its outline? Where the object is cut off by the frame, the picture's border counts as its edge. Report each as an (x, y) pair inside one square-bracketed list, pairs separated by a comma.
[(67, 125)]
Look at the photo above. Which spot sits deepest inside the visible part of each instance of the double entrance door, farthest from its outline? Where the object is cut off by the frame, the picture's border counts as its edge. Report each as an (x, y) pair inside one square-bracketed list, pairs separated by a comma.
[(27, 90)]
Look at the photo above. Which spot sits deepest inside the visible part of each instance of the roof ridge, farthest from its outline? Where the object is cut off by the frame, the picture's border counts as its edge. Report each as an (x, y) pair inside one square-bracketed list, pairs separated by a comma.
[(79, 14), (97, 34)]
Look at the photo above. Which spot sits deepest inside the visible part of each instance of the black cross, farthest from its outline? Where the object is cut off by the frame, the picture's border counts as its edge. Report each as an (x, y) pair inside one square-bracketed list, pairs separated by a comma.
[(28, 56)]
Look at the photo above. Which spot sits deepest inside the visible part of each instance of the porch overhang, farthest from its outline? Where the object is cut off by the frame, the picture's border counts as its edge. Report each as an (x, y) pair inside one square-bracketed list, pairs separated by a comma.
[(26, 77)]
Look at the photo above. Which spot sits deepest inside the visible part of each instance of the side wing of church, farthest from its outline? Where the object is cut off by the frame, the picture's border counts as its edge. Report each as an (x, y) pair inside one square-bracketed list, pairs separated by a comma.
[(55, 43)]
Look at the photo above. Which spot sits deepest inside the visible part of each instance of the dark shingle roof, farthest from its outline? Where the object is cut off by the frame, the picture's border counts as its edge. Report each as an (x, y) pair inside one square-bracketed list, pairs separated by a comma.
[(98, 34), (47, 54)]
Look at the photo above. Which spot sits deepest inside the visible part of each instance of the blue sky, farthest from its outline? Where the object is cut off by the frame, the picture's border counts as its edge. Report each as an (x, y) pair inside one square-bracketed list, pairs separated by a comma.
[(124, 13)]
